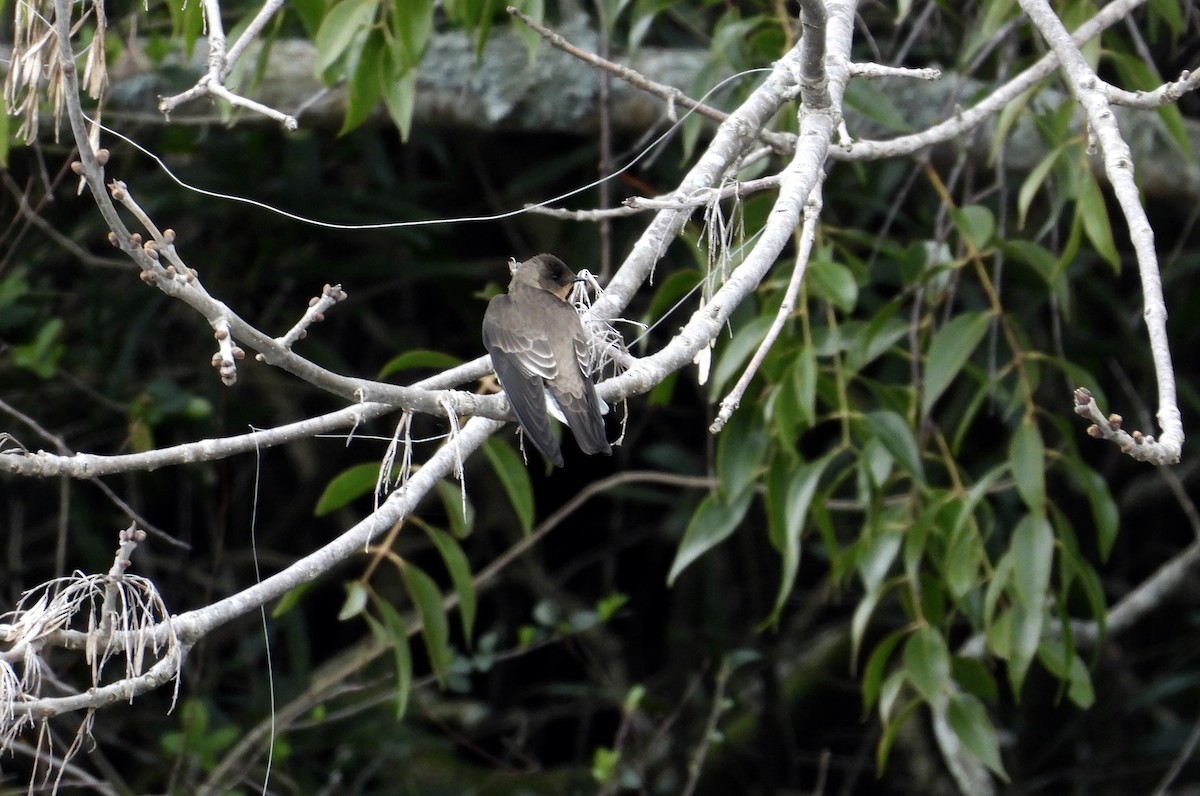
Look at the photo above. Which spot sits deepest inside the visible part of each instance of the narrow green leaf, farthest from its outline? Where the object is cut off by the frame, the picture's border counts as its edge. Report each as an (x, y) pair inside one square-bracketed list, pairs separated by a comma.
[(787, 508), (951, 347), (427, 597), (366, 84), (515, 479), (889, 694), (861, 620), (1033, 183), (414, 27), (1025, 635), (732, 354), (1081, 691), (395, 634), (872, 680), (400, 96), (890, 732), (715, 518), (290, 599), (1094, 215), (1033, 554), (341, 25), (460, 575), (741, 452), (1036, 256), (418, 358), (927, 662), (897, 437), (350, 484), (969, 720), (461, 517), (1027, 457), (1104, 508)]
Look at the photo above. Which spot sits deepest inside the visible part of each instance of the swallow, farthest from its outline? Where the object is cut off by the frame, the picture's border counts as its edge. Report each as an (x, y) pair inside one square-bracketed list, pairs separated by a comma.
[(538, 346)]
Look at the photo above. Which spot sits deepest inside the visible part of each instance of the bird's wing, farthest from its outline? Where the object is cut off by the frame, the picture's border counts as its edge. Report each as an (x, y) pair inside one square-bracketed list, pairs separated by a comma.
[(523, 360), (576, 396)]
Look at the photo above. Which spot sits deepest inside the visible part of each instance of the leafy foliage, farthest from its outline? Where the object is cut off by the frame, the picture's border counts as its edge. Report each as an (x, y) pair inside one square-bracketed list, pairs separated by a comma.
[(903, 493)]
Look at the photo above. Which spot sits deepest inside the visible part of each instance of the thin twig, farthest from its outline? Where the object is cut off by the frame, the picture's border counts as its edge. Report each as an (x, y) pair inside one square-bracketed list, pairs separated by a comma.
[(696, 764), (808, 233), (670, 94), (222, 61)]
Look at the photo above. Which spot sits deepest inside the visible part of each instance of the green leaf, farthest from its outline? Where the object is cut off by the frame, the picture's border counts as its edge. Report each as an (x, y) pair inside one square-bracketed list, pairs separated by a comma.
[(861, 620), (897, 438), (732, 355), (427, 597), (1025, 633), (927, 663), (400, 95), (418, 358), (741, 452), (1033, 183), (1094, 215), (356, 600), (42, 354), (394, 633), (1027, 458), (969, 720), (1068, 666), (460, 575), (187, 22), (461, 517), (515, 478), (890, 731), (1033, 554), (972, 675), (872, 680), (309, 12), (671, 292), (642, 17), (874, 103), (414, 27), (833, 282), (1104, 508), (607, 607), (290, 599), (350, 484), (366, 84), (715, 518), (604, 763), (951, 347), (789, 495), (341, 25), (976, 223)]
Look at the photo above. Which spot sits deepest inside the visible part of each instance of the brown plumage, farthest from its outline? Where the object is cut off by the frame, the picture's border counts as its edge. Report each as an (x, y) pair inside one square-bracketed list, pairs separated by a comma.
[(537, 343)]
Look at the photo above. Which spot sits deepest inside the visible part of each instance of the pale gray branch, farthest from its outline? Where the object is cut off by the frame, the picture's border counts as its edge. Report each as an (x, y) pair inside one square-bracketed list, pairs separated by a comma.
[(1118, 165)]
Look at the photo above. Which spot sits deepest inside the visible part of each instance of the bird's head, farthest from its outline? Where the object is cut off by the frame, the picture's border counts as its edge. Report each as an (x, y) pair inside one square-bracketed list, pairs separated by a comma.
[(546, 272)]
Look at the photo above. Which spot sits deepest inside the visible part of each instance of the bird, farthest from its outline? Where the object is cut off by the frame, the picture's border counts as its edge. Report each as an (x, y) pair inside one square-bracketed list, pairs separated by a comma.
[(538, 345)]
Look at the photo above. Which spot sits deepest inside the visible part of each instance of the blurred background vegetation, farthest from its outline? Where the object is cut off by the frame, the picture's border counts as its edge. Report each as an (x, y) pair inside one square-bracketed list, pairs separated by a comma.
[(585, 672)]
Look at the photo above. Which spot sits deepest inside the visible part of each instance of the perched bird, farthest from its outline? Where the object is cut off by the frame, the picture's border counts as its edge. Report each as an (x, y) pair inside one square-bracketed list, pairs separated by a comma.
[(537, 343)]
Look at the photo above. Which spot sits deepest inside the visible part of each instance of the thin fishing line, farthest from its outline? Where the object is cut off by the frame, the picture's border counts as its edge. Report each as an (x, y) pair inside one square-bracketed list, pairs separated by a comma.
[(421, 222)]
